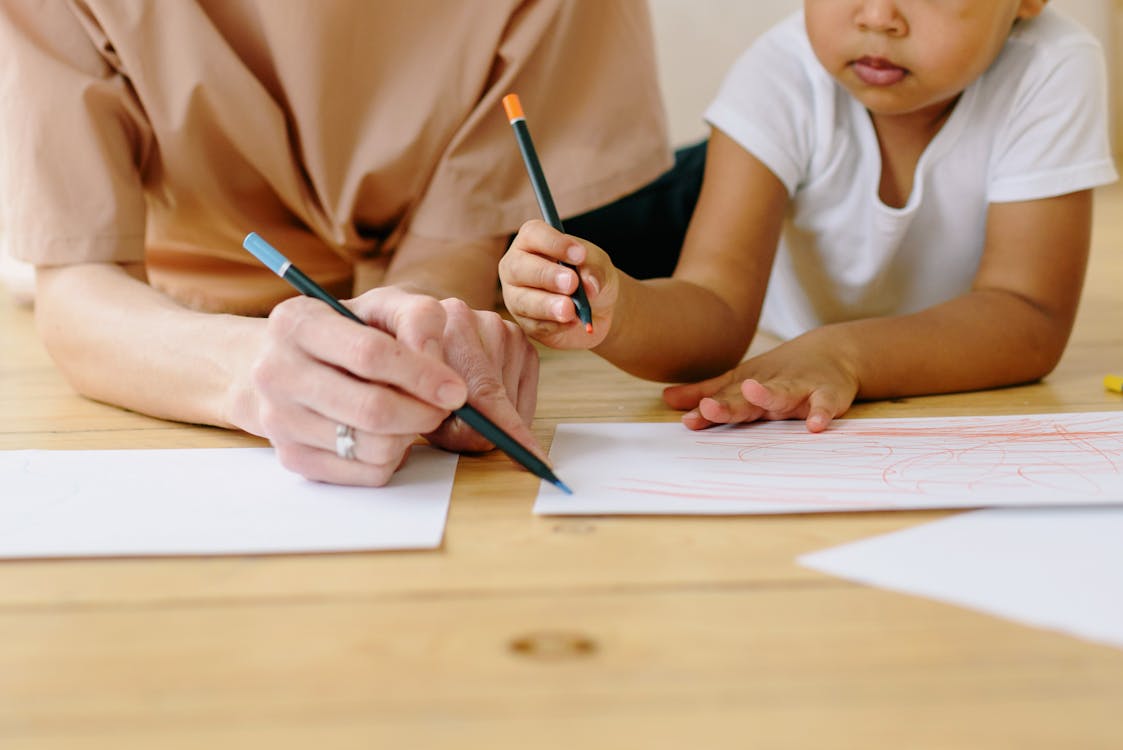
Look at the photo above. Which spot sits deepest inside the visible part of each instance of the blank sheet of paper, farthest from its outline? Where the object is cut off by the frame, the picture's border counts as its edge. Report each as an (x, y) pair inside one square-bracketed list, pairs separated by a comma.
[(1057, 568), (209, 501), (857, 464)]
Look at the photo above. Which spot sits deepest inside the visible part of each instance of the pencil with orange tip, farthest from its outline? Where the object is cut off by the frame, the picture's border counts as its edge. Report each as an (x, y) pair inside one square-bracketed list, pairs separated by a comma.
[(514, 110)]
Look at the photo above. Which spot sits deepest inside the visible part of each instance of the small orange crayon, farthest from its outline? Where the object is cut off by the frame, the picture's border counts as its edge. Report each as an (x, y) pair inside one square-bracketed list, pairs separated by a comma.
[(515, 116)]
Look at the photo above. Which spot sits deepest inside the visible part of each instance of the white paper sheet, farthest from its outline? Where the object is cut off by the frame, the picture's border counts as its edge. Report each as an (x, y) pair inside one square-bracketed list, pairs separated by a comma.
[(857, 464), (1057, 568), (209, 501)]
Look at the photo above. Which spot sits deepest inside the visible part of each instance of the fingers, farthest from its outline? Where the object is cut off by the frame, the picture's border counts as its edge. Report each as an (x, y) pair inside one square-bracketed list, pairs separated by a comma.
[(305, 443), (517, 358), (366, 352), (538, 306), (539, 238), (817, 407), (526, 400), (535, 286), (500, 367), (723, 400), (289, 383), (417, 321), (687, 396), (317, 369), (537, 289), (726, 406), (823, 407)]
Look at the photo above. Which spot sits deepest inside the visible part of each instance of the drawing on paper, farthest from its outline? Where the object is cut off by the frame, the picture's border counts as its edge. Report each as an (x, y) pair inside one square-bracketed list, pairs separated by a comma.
[(859, 464)]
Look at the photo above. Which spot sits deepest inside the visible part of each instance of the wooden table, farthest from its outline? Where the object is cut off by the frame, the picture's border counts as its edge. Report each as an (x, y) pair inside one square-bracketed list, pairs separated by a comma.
[(539, 633)]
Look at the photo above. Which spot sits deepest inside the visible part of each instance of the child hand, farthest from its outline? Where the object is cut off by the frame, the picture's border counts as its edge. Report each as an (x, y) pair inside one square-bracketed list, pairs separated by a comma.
[(796, 380), (536, 288)]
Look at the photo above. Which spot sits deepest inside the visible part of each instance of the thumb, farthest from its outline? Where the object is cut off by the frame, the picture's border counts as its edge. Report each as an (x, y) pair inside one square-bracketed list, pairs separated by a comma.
[(689, 395)]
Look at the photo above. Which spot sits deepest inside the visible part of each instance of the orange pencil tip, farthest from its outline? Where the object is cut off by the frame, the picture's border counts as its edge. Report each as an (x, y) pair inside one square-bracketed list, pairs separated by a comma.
[(513, 107), (588, 328)]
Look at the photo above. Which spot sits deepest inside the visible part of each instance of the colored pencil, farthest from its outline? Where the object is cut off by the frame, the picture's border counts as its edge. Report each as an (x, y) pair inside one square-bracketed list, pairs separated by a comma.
[(515, 116)]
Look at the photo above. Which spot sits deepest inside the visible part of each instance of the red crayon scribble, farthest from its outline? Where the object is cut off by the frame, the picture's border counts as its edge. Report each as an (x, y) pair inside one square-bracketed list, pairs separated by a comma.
[(860, 463)]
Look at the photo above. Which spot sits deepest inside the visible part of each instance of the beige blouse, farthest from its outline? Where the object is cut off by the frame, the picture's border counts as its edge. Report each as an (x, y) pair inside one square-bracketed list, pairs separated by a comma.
[(163, 131)]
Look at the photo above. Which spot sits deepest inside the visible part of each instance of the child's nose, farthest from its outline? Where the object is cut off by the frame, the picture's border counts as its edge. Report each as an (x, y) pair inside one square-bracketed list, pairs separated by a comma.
[(880, 16)]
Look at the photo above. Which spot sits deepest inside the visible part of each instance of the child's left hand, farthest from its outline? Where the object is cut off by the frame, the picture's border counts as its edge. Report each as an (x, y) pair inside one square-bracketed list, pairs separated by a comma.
[(800, 379)]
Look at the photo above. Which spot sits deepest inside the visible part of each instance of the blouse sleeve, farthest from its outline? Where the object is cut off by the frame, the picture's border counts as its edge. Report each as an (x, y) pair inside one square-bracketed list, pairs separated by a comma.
[(72, 139)]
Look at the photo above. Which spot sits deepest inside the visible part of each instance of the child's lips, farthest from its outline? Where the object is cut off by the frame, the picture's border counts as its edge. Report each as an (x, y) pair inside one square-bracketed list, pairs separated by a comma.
[(877, 71)]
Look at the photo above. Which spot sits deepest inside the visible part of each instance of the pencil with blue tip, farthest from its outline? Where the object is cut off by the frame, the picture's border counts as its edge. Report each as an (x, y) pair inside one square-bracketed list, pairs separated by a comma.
[(513, 107), (283, 267)]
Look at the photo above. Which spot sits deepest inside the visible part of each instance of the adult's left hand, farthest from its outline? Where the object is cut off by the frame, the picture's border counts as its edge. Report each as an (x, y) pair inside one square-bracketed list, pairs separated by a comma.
[(500, 367)]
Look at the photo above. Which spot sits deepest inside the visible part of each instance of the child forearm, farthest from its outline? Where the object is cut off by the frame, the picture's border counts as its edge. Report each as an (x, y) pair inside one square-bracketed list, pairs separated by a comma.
[(983, 339), (671, 330)]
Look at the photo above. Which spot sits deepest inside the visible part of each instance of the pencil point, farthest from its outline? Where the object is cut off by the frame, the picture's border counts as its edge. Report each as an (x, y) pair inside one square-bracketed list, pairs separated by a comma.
[(562, 486), (588, 328)]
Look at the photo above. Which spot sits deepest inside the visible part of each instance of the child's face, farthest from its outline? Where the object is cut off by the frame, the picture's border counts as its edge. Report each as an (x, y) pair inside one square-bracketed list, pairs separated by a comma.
[(902, 57)]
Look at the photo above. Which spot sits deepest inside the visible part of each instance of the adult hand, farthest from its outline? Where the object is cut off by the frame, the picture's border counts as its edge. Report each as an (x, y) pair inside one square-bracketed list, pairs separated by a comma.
[(500, 367), (536, 289), (800, 379), (387, 380)]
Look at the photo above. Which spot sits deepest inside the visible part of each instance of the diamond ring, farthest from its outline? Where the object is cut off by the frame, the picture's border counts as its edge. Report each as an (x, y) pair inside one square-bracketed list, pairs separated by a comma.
[(345, 441)]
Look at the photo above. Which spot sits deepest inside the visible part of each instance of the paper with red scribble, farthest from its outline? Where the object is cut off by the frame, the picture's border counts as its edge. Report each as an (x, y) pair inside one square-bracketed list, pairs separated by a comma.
[(856, 465)]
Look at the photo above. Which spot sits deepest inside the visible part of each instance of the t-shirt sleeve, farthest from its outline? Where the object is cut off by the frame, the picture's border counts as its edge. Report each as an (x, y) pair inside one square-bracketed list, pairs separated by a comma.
[(1055, 140), (764, 103), (72, 137), (585, 73)]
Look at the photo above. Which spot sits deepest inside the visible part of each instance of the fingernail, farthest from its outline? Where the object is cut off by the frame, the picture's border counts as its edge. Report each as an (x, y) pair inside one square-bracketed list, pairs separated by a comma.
[(562, 280), (573, 253), (591, 283), (451, 395)]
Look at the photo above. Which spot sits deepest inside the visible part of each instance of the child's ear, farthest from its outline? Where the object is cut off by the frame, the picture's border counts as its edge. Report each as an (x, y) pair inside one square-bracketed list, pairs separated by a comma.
[(1031, 8)]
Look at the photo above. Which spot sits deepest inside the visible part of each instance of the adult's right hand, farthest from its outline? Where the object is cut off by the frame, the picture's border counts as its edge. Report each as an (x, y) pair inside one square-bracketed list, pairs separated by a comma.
[(387, 380)]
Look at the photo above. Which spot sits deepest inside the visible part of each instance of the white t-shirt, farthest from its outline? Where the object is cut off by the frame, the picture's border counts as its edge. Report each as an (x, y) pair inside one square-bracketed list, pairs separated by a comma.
[(1034, 125)]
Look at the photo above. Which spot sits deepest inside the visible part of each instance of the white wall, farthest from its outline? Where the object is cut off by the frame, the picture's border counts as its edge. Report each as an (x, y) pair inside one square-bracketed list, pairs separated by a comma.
[(697, 41)]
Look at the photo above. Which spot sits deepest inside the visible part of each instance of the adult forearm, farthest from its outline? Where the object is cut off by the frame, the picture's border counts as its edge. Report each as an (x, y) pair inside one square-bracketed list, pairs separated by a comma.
[(984, 339), (465, 270), (119, 341)]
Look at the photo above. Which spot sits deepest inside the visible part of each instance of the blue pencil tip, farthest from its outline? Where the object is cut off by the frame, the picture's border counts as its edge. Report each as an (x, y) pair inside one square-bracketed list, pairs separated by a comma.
[(562, 486)]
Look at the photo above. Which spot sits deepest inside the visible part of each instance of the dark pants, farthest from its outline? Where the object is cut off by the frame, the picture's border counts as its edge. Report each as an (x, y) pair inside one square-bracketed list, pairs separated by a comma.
[(643, 231)]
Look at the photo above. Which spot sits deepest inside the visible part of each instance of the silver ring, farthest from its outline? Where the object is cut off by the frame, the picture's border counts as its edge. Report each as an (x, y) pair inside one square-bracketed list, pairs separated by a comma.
[(345, 441)]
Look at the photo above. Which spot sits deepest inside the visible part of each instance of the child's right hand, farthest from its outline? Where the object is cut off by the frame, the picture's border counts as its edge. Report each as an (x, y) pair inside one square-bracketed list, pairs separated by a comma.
[(536, 288)]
